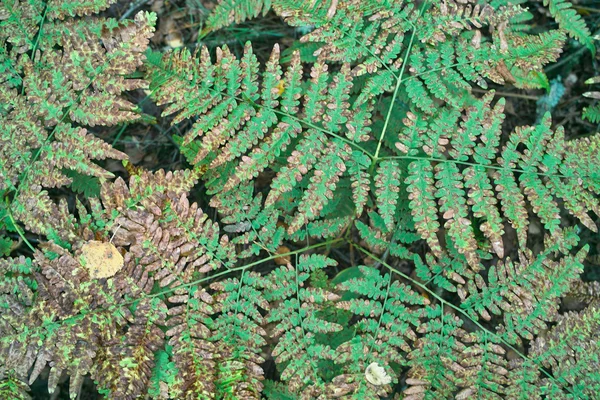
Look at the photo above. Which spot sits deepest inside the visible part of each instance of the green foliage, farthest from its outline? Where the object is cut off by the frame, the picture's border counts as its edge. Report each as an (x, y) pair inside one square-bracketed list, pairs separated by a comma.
[(60, 73), (89, 186), (574, 337), (11, 388), (592, 113), (228, 12), (297, 322), (569, 20), (368, 228)]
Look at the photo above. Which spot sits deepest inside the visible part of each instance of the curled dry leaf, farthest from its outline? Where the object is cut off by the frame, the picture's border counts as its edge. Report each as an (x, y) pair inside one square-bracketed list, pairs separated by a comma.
[(102, 259), (283, 259)]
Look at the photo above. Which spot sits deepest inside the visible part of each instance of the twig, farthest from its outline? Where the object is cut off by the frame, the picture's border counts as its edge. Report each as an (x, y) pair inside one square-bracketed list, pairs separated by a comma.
[(132, 8), (508, 94)]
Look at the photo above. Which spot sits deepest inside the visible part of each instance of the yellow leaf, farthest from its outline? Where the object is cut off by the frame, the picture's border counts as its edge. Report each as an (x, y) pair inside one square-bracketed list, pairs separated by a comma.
[(280, 87), (102, 259)]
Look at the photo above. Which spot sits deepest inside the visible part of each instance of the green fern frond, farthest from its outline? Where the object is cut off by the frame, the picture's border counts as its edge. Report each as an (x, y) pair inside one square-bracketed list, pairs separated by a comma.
[(388, 186), (575, 337), (13, 388), (539, 174), (430, 375), (296, 323), (270, 125), (239, 335), (592, 114), (547, 278), (228, 12), (89, 186), (388, 315), (322, 122), (277, 391), (569, 20)]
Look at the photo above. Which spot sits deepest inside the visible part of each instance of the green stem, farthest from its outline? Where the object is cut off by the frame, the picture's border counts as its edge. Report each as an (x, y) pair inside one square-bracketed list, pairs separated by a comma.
[(14, 223)]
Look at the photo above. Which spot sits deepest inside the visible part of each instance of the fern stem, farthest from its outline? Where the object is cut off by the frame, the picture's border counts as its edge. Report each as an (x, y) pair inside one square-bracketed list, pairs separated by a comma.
[(17, 228), (39, 35), (239, 292), (116, 139), (391, 108), (507, 94), (443, 160)]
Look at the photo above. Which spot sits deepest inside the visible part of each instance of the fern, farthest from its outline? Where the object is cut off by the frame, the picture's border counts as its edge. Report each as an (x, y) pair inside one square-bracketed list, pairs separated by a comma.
[(74, 76), (267, 120), (228, 12), (592, 113), (357, 226), (384, 333), (579, 341), (571, 21), (89, 186), (296, 323)]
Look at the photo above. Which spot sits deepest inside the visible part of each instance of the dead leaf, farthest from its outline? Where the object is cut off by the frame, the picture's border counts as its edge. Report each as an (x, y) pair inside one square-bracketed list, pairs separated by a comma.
[(102, 259), (285, 259)]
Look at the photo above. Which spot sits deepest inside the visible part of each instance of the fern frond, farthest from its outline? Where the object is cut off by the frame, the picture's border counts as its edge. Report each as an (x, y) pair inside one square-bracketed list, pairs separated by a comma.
[(569, 20), (125, 370), (166, 242), (239, 335), (535, 51), (228, 12), (388, 316), (574, 338), (269, 122), (592, 114), (357, 169), (13, 388), (540, 173), (323, 229), (588, 292), (296, 322), (277, 391), (320, 128), (89, 186), (538, 276), (387, 183), (350, 37), (453, 17), (380, 240), (434, 372), (77, 76), (378, 152), (193, 354)]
